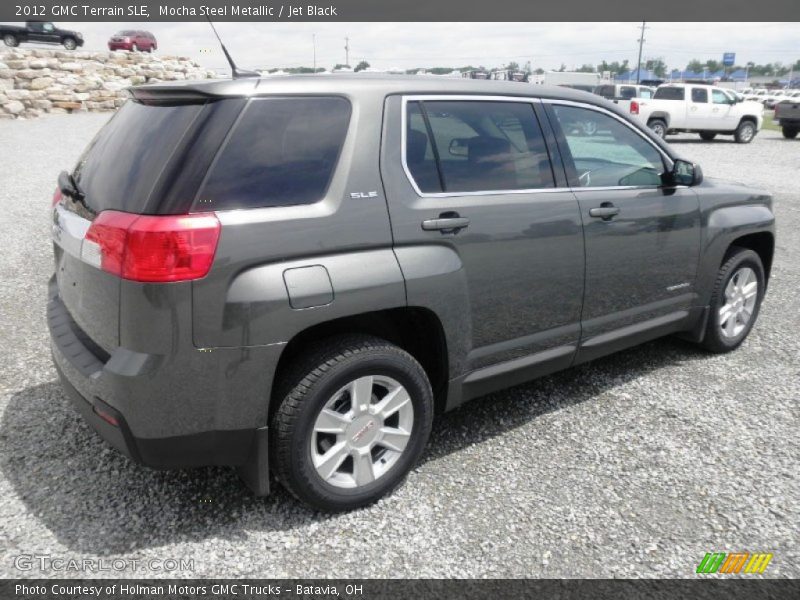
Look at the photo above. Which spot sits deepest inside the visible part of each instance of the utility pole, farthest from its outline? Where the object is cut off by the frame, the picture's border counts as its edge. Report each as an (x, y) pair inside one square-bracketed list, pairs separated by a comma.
[(347, 51), (639, 62), (314, 44)]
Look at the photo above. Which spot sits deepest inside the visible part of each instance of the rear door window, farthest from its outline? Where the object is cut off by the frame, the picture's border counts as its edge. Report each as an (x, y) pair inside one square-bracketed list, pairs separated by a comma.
[(479, 146), (670, 93), (700, 95), (281, 152)]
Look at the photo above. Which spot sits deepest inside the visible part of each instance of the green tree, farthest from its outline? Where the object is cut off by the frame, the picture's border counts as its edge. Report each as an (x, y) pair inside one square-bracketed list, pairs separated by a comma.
[(585, 69), (657, 66), (361, 66)]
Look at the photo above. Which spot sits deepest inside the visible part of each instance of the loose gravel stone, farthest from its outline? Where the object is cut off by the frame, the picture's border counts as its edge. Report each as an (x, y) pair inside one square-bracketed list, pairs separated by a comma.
[(635, 465)]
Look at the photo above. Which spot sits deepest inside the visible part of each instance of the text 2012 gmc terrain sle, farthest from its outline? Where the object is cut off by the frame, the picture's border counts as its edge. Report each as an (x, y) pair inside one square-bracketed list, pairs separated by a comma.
[(293, 275)]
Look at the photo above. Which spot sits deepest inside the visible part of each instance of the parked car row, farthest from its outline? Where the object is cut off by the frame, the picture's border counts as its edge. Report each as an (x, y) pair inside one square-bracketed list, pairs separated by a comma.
[(769, 98), (45, 32)]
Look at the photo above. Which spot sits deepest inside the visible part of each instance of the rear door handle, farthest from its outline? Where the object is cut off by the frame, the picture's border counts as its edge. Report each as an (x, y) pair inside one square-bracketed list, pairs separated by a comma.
[(605, 211), (446, 223)]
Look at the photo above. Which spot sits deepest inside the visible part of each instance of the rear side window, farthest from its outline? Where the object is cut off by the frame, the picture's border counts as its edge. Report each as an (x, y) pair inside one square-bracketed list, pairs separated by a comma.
[(281, 152), (124, 161), (627, 92), (699, 95), (472, 146), (606, 91), (670, 93)]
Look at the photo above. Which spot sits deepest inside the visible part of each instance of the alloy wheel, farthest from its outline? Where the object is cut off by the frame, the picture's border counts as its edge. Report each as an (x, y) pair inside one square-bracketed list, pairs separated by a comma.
[(741, 295), (362, 431)]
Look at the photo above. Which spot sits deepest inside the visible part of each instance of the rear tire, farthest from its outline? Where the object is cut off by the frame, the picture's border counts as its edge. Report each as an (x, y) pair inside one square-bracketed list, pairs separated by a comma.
[(659, 127), (134, 48), (733, 314), (789, 132), (330, 437), (745, 132), (70, 44), (708, 135), (10, 40)]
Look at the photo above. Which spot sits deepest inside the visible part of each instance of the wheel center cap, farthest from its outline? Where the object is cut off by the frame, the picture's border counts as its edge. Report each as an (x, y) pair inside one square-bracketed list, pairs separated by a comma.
[(363, 431)]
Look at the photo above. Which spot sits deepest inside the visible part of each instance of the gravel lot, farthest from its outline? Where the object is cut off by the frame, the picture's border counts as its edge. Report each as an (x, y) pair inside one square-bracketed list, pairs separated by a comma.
[(635, 465)]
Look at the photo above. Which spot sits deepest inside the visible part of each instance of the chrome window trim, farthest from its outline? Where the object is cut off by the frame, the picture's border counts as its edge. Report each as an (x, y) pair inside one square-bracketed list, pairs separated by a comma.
[(457, 98), (525, 100)]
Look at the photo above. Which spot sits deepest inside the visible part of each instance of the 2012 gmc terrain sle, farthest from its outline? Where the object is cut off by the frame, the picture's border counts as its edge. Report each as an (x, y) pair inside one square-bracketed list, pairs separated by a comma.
[(292, 275)]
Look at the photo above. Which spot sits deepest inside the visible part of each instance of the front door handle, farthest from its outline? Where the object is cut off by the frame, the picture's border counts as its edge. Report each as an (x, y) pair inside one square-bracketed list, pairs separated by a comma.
[(446, 223), (605, 211)]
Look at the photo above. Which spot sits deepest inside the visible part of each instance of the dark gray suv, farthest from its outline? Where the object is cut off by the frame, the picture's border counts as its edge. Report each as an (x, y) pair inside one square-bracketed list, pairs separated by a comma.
[(293, 275)]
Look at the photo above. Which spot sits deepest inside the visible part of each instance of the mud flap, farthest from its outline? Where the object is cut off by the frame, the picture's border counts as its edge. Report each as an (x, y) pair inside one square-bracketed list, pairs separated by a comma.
[(255, 472)]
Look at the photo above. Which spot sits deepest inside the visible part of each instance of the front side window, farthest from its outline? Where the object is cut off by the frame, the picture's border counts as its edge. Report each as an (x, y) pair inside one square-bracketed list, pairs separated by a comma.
[(699, 95), (282, 152), (604, 152), (720, 97), (48, 27), (475, 146)]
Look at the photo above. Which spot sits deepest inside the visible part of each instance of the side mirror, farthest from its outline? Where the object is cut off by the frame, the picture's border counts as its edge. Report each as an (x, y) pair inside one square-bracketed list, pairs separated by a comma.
[(459, 147), (685, 173)]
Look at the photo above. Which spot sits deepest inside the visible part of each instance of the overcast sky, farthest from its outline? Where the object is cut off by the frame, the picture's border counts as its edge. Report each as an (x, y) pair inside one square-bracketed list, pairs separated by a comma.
[(406, 45)]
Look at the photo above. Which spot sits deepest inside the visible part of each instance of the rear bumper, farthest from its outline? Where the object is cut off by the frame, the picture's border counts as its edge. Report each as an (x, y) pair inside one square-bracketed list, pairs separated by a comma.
[(120, 46), (167, 416)]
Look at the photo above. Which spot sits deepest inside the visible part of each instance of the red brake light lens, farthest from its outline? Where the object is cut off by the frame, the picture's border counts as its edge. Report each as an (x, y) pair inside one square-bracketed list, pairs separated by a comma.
[(634, 107), (57, 196), (155, 248)]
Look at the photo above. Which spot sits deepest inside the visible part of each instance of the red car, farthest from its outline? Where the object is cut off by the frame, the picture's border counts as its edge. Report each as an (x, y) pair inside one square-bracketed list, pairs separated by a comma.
[(133, 41)]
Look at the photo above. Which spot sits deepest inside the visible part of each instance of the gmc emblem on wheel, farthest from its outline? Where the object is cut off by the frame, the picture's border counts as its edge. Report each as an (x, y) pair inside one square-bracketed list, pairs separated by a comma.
[(364, 194), (360, 433)]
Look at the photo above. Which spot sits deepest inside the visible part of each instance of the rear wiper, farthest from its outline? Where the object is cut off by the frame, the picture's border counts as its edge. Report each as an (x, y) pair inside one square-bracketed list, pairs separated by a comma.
[(69, 187)]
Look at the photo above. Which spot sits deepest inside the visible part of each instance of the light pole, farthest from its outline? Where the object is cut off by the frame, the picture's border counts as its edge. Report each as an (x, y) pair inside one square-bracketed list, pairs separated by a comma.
[(639, 62), (347, 52)]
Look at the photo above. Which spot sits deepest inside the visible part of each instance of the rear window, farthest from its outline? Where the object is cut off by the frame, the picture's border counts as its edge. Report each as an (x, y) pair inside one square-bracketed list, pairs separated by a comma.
[(606, 91), (670, 93), (282, 152), (122, 164)]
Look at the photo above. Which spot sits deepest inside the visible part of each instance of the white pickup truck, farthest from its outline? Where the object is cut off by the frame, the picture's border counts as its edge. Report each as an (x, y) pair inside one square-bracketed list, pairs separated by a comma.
[(703, 109)]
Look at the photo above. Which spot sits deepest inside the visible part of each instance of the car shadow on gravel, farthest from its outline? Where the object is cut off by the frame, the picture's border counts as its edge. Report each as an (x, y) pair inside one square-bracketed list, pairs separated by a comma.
[(94, 500)]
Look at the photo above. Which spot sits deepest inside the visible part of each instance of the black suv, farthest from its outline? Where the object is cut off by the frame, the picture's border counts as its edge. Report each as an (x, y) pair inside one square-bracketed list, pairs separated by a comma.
[(292, 275)]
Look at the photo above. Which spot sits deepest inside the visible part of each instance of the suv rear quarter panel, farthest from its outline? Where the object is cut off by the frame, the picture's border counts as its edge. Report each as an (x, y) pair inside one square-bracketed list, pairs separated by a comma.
[(244, 299)]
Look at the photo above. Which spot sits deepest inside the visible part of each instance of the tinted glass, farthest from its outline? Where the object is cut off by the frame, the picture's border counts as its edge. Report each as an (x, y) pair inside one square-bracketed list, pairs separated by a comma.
[(699, 95), (606, 152), (488, 146), (282, 152), (419, 152), (606, 91), (122, 164), (670, 93), (627, 92), (645, 93)]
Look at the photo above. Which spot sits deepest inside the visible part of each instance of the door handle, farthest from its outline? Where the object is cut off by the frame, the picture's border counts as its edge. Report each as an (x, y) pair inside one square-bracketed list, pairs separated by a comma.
[(605, 211), (449, 222)]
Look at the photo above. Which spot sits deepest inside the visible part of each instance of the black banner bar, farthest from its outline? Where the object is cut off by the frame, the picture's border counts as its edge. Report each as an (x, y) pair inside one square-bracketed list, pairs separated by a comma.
[(440, 589), (401, 10)]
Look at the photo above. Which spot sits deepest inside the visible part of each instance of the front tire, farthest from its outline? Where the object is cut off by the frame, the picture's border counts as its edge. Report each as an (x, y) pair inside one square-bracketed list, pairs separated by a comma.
[(10, 40), (745, 132), (789, 132), (355, 416), (134, 48), (659, 127), (735, 301), (707, 135), (70, 44)]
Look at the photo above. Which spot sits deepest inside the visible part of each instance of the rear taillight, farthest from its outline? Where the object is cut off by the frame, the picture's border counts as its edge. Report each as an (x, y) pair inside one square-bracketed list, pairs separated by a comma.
[(152, 248), (634, 107), (57, 196)]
